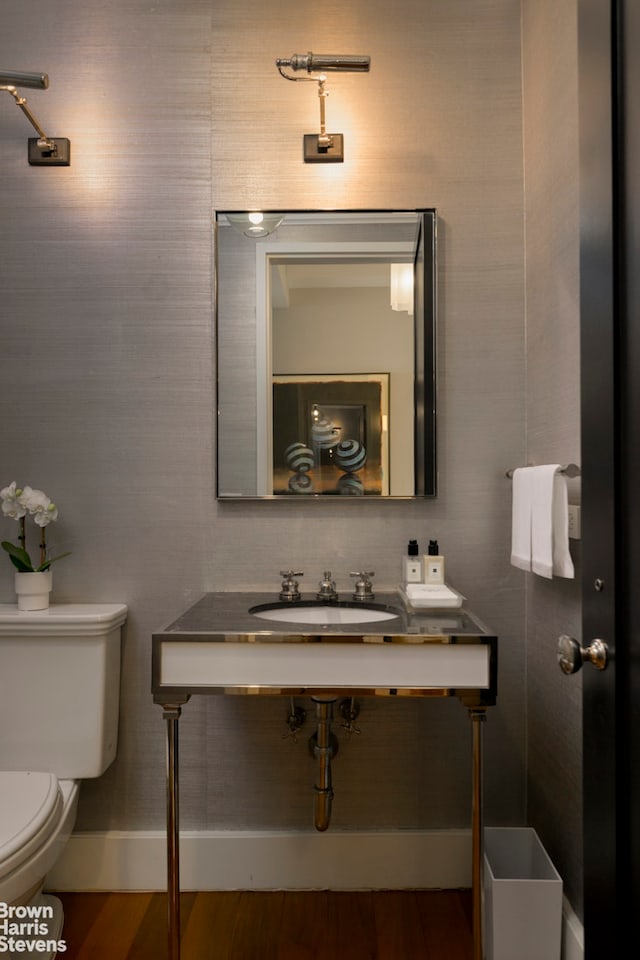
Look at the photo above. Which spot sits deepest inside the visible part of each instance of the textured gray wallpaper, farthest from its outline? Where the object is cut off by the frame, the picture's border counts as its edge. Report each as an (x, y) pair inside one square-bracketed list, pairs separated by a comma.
[(175, 109)]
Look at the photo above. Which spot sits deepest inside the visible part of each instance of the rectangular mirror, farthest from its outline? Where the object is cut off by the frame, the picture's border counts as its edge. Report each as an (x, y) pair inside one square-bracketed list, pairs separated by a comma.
[(325, 336)]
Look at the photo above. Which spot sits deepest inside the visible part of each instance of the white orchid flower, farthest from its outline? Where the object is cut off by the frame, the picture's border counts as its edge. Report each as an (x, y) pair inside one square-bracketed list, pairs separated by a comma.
[(39, 506), (43, 517), (33, 500), (11, 503), (16, 504)]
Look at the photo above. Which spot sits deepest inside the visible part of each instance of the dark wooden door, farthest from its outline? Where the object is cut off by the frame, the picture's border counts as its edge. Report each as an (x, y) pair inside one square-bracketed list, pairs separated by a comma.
[(609, 85)]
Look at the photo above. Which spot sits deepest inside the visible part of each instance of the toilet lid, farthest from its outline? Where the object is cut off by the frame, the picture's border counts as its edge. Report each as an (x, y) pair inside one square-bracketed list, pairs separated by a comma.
[(30, 804)]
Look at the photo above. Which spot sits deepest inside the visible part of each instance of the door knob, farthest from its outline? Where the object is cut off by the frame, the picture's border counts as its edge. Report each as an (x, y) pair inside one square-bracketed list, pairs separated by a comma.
[(571, 655)]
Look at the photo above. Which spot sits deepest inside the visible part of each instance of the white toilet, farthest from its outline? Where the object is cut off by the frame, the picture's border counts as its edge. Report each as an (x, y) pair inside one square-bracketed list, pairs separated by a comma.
[(59, 701)]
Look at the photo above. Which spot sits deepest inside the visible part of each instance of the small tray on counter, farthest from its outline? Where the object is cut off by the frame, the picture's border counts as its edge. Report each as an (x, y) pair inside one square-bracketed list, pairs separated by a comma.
[(421, 596)]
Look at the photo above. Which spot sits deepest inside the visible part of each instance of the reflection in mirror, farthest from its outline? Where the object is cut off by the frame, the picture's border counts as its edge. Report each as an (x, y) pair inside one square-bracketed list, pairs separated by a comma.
[(326, 354)]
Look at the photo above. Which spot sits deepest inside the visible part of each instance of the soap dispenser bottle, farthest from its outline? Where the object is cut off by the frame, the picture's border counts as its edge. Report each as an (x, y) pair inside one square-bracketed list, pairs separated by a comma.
[(434, 565), (412, 564)]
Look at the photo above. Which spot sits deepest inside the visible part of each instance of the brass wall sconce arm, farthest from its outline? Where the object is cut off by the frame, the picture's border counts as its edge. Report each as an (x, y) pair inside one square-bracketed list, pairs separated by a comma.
[(323, 147), (43, 150)]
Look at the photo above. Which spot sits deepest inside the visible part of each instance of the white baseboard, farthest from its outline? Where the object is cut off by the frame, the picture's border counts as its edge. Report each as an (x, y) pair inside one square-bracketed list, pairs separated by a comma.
[(230, 860), (572, 934)]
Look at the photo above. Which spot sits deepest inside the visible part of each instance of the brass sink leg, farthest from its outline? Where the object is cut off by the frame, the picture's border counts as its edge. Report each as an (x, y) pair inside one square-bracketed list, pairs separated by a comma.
[(171, 714), (477, 717)]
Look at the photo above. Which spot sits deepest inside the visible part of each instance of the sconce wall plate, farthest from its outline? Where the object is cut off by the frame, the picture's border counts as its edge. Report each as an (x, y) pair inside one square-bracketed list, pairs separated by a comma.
[(314, 153), (59, 157)]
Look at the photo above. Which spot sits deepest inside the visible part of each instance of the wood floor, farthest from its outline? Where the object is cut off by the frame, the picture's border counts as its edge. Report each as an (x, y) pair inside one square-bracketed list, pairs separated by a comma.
[(241, 925)]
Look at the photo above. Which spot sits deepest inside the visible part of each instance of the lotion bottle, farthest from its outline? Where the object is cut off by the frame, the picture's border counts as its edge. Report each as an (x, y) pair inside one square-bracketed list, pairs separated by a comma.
[(434, 565), (412, 564)]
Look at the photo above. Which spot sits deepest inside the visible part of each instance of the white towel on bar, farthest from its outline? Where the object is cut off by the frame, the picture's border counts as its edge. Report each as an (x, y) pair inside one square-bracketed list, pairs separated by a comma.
[(550, 523), (540, 534), (522, 485)]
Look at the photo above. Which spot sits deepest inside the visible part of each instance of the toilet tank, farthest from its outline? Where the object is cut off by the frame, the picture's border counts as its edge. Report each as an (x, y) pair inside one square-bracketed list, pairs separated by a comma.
[(60, 688)]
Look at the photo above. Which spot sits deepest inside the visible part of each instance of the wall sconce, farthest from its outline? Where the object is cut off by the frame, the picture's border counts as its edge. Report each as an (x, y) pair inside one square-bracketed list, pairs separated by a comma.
[(402, 287), (323, 147), (44, 151)]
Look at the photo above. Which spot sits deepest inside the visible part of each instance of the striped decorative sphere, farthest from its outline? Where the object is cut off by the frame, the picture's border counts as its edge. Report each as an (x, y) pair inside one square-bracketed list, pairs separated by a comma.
[(324, 434), (298, 457), (349, 485), (300, 483), (350, 455)]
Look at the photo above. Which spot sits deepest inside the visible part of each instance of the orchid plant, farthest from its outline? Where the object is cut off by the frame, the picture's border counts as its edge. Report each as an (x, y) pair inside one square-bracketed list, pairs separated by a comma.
[(17, 503)]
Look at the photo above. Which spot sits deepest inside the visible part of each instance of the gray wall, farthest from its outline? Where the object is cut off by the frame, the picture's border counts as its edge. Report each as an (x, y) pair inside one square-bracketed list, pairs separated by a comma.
[(175, 109)]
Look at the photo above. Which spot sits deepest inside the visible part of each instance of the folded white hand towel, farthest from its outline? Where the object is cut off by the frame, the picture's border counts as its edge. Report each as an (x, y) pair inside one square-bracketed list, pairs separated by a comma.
[(562, 562), (522, 489), (542, 519), (550, 523)]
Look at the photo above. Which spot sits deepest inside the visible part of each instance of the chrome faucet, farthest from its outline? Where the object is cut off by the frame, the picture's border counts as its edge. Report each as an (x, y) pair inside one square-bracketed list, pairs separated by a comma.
[(289, 588), (327, 588), (363, 589)]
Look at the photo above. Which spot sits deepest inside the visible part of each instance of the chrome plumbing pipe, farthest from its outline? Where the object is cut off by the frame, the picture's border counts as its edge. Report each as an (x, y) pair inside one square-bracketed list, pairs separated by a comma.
[(324, 748)]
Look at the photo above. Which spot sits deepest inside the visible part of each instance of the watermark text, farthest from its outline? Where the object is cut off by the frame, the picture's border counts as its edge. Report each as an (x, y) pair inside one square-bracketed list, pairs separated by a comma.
[(25, 929)]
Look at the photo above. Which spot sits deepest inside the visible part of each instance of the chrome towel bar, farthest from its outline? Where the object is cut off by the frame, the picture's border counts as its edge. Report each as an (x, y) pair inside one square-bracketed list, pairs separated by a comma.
[(570, 470)]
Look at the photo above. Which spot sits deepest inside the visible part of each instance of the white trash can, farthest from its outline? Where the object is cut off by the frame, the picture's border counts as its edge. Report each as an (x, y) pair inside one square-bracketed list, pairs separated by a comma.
[(522, 897)]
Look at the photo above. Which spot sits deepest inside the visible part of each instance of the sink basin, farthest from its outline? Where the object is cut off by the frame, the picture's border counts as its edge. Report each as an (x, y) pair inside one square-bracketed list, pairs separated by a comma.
[(323, 613)]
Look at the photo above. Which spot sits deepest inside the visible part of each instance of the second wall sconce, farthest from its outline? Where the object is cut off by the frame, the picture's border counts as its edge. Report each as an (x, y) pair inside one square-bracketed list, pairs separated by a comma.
[(401, 287), (43, 151), (323, 147)]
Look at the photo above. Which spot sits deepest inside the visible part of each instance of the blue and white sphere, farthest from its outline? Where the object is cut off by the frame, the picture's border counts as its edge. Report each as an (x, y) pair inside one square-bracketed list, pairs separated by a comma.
[(349, 485), (298, 457), (300, 483), (324, 433), (350, 455)]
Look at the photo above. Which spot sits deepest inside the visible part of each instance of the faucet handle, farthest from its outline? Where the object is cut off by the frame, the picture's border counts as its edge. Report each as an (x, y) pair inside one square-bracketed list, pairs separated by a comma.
[(295, 720), (289, 589), (363, 589), (349, 710)]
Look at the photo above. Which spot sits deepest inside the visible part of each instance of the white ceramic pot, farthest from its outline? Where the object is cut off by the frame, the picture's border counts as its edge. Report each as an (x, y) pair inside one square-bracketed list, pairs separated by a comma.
[(32, 590)]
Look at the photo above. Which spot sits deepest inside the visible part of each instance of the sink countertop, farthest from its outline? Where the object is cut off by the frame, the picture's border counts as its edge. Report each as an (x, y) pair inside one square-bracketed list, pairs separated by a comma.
[(225, 616), (218, 646)]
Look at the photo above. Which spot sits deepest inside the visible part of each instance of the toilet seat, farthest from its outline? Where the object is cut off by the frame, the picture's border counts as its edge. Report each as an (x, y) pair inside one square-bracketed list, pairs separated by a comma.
[(31, 807)]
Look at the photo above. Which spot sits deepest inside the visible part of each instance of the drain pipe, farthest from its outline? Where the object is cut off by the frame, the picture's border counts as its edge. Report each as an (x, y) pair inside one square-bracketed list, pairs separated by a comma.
[(323, 745)]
